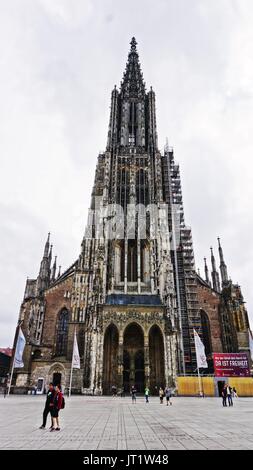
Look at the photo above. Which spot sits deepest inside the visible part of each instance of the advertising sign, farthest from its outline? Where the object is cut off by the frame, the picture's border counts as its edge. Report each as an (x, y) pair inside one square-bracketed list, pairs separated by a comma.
[(231, 365)]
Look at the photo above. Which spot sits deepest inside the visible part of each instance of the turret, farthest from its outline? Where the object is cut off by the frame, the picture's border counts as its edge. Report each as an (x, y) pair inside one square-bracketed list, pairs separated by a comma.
[(223, 267), (46, 249), (50, 256), (43, 279), (53, 271), (207, 273), (215, 274)]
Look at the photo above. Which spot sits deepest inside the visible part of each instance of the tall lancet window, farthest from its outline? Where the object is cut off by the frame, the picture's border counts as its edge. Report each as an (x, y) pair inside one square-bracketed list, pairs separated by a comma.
[(122, 261), (62, 332), (132, 261), (142, 196), (123, 182), (132, 124)]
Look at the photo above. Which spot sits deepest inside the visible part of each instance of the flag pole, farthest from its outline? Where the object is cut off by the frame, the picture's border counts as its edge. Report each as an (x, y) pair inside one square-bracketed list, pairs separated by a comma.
[(12, 369), (70, 383), (13, 363), (71, 371), (200, 388)]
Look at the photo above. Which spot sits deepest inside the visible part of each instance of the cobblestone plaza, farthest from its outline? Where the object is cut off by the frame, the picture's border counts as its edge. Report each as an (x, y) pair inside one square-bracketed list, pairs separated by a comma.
[(107, 423)]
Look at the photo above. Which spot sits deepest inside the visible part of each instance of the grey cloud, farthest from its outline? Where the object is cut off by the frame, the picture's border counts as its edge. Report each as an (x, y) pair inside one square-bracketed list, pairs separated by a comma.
[(59, 63)]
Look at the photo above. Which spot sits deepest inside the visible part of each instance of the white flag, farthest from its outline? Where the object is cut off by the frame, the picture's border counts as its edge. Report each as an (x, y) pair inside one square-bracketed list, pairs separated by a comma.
[(20, 346), (251, 345), (75, 357), (200, 352)]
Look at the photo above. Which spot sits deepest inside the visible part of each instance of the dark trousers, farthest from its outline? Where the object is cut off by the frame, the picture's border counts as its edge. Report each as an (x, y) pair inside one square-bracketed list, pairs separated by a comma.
[(230, 401), (224, 401), (45, 413)]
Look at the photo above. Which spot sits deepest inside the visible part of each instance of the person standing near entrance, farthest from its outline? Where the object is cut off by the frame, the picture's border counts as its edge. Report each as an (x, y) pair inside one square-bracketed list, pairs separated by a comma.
[(168, 395), (161, 395), (133, 393), (229, 395), (147, 394), (57, 405), (48, 406), (224, 395)]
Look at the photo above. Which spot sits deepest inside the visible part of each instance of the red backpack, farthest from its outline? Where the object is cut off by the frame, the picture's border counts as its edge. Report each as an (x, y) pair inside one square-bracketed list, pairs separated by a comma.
[(63, 403)]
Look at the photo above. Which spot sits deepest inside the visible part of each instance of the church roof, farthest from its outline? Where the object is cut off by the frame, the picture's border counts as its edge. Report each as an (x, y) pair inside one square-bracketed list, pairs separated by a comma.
[(64, 275)]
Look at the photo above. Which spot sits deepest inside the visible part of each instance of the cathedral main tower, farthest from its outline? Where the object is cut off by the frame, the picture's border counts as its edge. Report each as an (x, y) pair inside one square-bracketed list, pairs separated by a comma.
[(133, 295), (127, 279)]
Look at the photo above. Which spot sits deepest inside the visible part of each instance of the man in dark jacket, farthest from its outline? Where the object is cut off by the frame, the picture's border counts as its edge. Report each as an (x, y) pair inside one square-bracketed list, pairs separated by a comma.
[(48, 405), (224, 395)]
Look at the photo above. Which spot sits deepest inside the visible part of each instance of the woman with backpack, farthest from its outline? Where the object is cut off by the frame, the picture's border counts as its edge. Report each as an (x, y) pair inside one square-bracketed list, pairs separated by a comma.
[(58, 404)]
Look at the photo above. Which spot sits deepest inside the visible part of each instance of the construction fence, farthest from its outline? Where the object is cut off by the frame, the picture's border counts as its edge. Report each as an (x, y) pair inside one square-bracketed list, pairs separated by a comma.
[(212, 386)]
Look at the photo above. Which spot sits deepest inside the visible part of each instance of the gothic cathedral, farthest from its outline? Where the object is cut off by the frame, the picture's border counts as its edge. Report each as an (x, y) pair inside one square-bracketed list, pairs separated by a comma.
[(133, 295)]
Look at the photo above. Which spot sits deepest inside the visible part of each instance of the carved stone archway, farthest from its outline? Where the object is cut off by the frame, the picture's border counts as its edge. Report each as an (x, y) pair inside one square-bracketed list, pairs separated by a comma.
[(57, 370), (156, 358), (133, 358), (110, 359)]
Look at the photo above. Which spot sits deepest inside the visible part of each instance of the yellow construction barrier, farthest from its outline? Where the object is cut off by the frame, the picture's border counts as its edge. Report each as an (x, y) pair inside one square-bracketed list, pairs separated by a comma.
[(189, 386), (243, 385)]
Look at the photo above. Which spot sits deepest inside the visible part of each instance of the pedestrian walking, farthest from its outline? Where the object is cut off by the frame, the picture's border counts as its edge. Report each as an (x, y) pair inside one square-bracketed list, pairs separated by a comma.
[(48, 406), (229, 395), (235, 393), (147, 394), (114, 391), (58, 404), (224, 395), (5, 391), (168, 396), (133, 393), (161, 395)]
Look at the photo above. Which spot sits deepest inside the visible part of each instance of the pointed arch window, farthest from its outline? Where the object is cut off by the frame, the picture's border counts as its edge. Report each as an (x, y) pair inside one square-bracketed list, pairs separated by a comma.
[(206, 333), (62, 332), (132, 261)]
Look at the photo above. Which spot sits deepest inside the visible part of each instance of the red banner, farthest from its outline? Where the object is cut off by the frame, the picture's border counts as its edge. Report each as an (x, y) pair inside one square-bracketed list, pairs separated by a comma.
[(231, 365)]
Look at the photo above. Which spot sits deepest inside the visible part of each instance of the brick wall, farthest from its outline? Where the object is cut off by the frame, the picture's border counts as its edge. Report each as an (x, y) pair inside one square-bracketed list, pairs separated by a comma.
[(209, 301)]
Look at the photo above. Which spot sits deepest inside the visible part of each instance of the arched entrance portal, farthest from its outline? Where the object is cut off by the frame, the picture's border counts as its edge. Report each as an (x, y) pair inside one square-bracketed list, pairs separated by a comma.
[(156, 358), (133, 358), (110, 368)]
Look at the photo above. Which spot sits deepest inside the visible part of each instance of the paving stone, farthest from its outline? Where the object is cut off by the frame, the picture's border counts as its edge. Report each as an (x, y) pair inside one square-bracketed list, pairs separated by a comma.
[(90, 423)]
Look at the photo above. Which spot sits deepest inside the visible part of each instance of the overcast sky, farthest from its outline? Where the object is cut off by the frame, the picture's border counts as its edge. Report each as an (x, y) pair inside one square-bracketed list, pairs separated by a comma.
[(59, 60)]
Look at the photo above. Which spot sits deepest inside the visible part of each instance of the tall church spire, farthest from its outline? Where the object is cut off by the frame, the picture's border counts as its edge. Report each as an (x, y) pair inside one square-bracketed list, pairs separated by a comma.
[(53, 270), (207, 273), (215, 274), (43, 279), (132, 124), (133, 83), (59, 271), (50, 256), (47, 244), (223, 267)]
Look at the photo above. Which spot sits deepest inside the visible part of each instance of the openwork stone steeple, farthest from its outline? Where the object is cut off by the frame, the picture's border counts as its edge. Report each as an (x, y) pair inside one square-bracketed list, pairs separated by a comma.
[(133, 84)]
